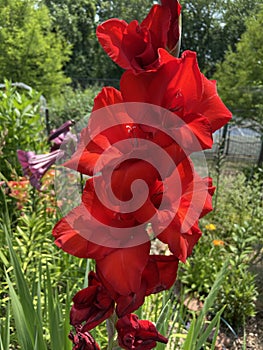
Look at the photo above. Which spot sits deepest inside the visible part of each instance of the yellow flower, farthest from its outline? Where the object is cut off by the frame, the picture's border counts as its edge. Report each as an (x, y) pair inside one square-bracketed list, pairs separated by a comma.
[(218, 242), (210, 227)]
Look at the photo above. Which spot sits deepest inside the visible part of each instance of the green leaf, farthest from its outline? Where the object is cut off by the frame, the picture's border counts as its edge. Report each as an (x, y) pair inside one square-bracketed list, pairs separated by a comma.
[(23, 331), (208, 331), (23, 299), (189, 341)]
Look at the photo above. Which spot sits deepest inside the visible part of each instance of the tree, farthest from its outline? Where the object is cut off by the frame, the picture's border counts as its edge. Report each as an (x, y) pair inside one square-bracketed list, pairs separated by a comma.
[(75, 19), (235, 14), (210, 27), (127, 10), (30, 51), (240, 76)]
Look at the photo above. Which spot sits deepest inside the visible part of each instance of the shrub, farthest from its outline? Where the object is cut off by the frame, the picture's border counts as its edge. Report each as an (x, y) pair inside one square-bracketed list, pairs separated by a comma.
[(71, 105), (21, 126), (234, 233)]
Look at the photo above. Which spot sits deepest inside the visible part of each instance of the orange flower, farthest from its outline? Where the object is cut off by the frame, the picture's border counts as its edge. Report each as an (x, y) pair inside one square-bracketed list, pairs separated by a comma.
[(218, 242)]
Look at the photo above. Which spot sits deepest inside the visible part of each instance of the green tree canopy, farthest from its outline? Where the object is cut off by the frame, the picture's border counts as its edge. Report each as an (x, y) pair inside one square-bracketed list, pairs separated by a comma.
[(210, 27), (76, 20), (30, 51), (240, 76)]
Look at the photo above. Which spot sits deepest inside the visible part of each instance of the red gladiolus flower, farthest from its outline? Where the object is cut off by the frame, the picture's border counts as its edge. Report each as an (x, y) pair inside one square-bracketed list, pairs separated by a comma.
[(177, 135), (158, 275), (135, 46), (135, 334), (92, 305), (180, 87), (88, 231), (194, 201), (173, 39), (83, 341), (136, 150)]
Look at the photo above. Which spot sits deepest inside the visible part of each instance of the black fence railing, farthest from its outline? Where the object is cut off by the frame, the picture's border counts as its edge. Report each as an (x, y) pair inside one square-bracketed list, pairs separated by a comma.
[(237, 145)]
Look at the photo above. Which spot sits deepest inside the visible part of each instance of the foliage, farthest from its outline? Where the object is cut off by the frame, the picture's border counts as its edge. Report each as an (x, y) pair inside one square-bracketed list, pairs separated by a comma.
[(35, 298), (33, 314), (35, 275), (126, 10), (235, 15), (240, 76), (30, 51), (209, 28), (235, 234), (75, 20), (201, 32), (21, 127), (71, 105)]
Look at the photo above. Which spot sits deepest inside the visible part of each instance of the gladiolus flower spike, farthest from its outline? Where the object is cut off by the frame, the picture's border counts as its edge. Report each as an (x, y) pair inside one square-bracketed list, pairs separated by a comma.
[(164, 111)]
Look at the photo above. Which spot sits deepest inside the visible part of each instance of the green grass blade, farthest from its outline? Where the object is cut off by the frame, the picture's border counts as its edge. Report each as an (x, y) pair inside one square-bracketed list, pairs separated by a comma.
[(23, 334), (162, 319), (210, 299), (32, 321), (5, 329), (59, 326), (204, 336), (215, 335), (188, 344), (53, 316)]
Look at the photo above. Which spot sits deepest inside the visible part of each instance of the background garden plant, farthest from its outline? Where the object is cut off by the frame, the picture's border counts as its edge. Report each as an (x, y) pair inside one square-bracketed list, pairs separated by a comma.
[(38, 281)]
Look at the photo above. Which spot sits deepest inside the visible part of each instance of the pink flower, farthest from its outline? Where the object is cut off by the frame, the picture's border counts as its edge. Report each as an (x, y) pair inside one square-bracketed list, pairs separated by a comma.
[(59, 135), (36, 165)]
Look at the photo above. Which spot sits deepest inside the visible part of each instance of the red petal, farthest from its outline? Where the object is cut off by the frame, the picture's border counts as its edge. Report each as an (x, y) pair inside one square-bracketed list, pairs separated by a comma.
[(180, 244), (148, 331), (160, 273), (109, 116), (110, 36), (69, 231), (88, 153), (129, 171), (123, 268), (108, 96), (92, 304), (212, 106), (174, 31), (130, 303), (158, 22)]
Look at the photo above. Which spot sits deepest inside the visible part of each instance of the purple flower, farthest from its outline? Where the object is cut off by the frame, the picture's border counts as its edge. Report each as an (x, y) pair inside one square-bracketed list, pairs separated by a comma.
[(58, 136), (36, 165)]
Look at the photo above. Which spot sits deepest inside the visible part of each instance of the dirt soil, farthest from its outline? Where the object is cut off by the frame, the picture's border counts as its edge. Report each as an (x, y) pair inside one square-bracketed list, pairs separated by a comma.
[(253, 334)]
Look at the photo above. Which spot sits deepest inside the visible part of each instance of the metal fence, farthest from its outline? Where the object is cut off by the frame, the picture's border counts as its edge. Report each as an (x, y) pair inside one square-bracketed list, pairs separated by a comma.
[(238, 145)]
